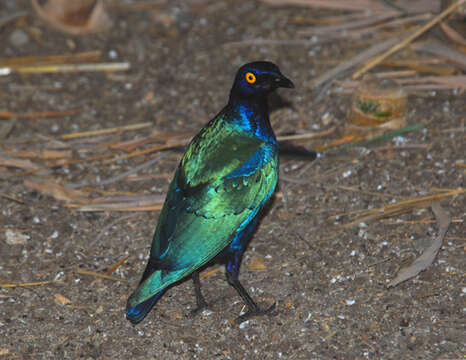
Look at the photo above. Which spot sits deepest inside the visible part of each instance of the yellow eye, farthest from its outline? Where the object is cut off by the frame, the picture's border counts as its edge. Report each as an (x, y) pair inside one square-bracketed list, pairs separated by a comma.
[(250, 78)]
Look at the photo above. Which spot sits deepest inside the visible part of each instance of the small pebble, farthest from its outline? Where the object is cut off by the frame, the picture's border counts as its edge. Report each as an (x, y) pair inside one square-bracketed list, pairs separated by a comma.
[(18, 38), (244, 324), (16, 238)]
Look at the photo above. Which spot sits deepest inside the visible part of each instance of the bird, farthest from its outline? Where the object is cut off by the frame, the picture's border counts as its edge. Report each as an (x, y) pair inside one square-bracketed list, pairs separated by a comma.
[(226, 176)]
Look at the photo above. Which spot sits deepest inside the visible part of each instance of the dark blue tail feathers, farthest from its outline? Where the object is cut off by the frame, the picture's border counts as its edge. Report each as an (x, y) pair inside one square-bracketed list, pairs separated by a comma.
[(138, 312)]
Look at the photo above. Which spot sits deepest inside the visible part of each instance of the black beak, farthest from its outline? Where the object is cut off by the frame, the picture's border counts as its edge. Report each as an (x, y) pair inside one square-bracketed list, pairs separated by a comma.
[(282, 81)]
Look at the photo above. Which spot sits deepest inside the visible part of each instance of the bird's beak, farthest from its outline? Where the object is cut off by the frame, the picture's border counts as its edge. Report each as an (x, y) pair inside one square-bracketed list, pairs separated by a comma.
[(282, 81)]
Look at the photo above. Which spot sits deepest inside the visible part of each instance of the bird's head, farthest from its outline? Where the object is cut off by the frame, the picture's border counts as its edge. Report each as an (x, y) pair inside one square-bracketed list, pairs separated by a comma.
[(258, 79)]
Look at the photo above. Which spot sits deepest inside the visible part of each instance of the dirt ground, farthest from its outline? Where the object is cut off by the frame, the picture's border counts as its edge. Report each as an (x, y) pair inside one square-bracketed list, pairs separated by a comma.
[(329, 282)]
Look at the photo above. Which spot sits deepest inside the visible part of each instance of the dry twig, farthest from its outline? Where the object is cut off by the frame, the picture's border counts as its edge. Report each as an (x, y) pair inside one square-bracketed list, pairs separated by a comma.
[(99, 275), (409, 39), (106, 131), (366, 54), (28, 284), (401, 207), (65, 68)]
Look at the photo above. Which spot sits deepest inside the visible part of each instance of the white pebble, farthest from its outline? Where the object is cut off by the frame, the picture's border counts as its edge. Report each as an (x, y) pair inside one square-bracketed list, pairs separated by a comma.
[(244, 324)]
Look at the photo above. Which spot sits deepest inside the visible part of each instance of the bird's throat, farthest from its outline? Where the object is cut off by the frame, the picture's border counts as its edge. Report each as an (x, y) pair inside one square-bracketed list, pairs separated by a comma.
[(252, 115)]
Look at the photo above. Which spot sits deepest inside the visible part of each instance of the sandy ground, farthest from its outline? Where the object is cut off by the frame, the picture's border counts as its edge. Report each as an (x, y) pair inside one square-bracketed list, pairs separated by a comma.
[(329, 283)]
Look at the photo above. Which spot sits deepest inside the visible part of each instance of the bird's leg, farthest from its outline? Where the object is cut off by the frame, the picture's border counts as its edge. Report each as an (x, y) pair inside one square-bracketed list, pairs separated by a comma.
[(232, 269), (253, 308), (201, 303), (235, 251)]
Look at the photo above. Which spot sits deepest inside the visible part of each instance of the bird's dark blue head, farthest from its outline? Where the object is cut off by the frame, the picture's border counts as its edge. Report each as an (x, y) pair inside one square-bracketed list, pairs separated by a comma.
[(257, 79)]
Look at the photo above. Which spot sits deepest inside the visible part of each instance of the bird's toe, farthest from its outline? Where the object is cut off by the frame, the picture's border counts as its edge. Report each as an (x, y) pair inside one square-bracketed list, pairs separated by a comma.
[(257, 311)]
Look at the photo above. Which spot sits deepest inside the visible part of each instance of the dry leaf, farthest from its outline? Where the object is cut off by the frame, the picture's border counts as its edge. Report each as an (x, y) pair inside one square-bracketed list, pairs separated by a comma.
[(61, 300), (428, 256), (175, 315), (6, 127), (73, 17), (256, 263)]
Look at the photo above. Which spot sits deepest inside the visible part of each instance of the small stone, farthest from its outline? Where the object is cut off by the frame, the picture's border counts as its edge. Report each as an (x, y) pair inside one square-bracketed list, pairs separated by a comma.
[(18, 38), (244, 324), (16, 238)]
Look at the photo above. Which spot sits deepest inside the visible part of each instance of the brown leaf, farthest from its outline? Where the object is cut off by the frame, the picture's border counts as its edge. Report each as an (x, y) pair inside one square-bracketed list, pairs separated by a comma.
[(428, 256), (73, 17), (61, 300), (256, 263), (6, 127)]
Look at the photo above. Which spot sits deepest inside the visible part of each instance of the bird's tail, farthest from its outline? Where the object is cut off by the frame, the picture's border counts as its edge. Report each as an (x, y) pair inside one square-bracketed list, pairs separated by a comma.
[(138, 312), (152, 285)]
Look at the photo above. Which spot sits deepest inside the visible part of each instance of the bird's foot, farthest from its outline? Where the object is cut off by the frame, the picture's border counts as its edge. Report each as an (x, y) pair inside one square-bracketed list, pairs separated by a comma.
[(256, 311), (201, 306)]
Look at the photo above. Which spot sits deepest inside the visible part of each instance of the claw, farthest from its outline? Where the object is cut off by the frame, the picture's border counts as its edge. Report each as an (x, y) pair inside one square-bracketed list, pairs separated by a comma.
[(201, 306), (257, 311)]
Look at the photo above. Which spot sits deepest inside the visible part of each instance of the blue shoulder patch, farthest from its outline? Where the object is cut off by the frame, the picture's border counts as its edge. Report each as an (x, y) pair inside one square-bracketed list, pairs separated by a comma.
[(251, 165)]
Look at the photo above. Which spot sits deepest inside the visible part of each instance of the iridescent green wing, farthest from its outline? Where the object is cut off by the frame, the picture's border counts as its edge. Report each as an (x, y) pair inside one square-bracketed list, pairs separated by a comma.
[(204, 208)]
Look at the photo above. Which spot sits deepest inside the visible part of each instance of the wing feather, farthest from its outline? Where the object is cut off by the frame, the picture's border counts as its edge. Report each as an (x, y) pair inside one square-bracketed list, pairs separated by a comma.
[(204, 208), (217, 189)]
